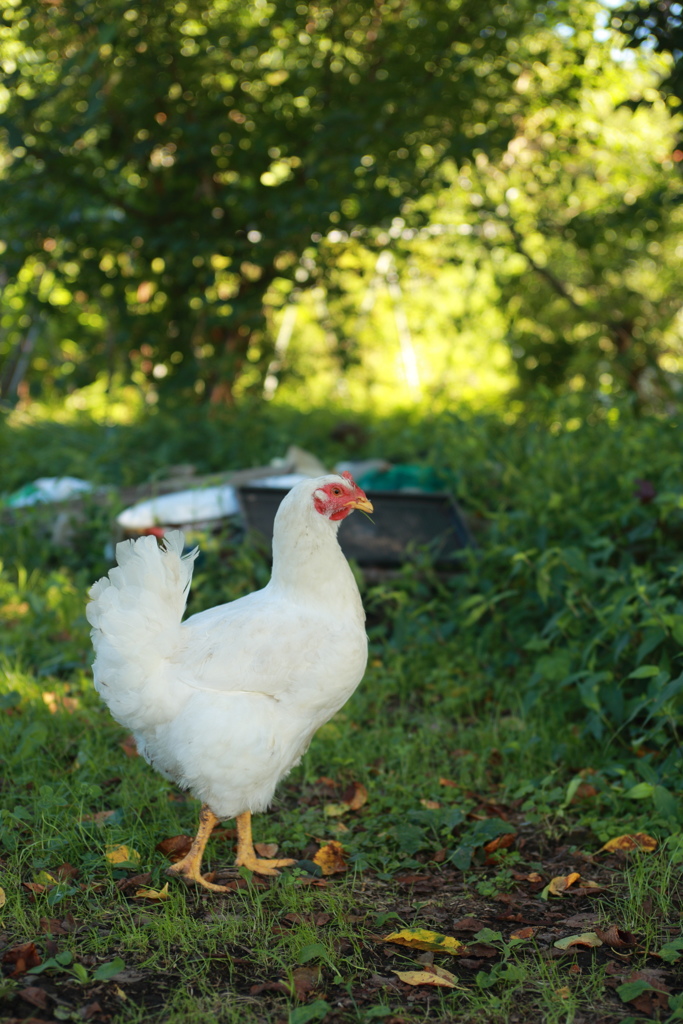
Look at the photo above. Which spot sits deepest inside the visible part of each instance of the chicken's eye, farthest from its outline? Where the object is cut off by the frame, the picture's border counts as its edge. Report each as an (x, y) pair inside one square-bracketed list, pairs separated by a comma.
[(336, 490)]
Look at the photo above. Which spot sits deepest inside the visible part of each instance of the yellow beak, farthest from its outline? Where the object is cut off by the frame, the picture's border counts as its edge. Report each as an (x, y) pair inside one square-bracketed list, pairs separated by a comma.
[(364, 504)]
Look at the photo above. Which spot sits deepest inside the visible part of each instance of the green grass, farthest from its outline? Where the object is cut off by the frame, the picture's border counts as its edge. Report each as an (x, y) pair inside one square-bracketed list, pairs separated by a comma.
[(534, 692)]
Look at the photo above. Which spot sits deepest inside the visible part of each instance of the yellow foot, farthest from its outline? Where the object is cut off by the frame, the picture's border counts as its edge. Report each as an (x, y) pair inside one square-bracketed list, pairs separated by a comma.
[(262, 866), (191, 876)]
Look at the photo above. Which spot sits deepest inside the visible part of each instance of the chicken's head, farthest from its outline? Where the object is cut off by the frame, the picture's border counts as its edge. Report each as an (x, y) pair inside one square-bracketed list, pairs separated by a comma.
[(338, 498)]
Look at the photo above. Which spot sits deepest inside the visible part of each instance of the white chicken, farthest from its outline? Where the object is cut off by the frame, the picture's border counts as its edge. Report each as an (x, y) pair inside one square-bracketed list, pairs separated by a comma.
[(226, 703)]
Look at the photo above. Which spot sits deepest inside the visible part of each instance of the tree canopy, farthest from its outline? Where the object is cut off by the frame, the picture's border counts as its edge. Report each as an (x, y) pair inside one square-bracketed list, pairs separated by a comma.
[(175, 168)]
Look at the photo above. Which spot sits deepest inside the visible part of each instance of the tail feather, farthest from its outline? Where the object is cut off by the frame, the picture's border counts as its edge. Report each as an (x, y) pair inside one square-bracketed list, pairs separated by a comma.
[(136, 613)]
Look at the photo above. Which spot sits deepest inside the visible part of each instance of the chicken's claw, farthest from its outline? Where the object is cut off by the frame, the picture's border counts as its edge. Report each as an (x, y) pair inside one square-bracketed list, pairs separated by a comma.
[(191, 876), (263, 866)]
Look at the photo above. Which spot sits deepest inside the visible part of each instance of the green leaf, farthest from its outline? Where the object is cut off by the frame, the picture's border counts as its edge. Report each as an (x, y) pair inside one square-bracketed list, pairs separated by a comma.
[(632, 989), (106, 971), (641, 791), (644, 672), (80, 974), (314, 1011), (64, 958), (671, 951), (666, 803), (316, 949)]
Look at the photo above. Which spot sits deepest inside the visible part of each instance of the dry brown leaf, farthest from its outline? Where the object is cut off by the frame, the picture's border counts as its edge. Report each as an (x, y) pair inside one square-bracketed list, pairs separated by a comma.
[(433, 976), (356, 796), (52, 926), (305, 981), (615, 937), (153, 894), (421, 938), (267, 850), (524, 933), (431, 805), (448, 782), (633, 841), (35, 996), (129, 746), (3, 898), (175, 848), (589, 939), (331, 859), (564, 992), (65, 872), (584, 791), (23, 957), (500, 843), (99, 817)]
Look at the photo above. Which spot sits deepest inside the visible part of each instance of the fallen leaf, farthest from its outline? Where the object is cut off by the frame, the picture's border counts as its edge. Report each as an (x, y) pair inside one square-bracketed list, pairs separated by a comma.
[(270, 986), (65, 872), (448, 782), (305, 981), (524, 933), (99, 817), (153, 894), (500, 843), (129, 746), (468, 924), (33, 887), (175, 848), (115, 854), (90, 1010), (335, 810), (124, 884), (587, 888), (434, 976), (628, 842), (52, 926), (356, 796), (331, 859), (584, 791), (50, 701), (564, 992), (534, 876), (558, 885), (484, 949), (431, 805), (23, 957), (421, 938), (267, 850), (615, 937), (3, 897), (44, 878), (35, 995), (589, 939)]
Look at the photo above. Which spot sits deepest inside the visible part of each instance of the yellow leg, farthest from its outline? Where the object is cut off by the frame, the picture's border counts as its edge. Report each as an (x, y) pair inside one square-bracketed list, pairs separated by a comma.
[(189, 868), (246, 854)]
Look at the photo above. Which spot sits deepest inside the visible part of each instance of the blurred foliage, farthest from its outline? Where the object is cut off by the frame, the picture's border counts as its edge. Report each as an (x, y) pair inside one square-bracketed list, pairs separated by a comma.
[(169, 161), (372, 202), (581, 226), (657, 24)]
